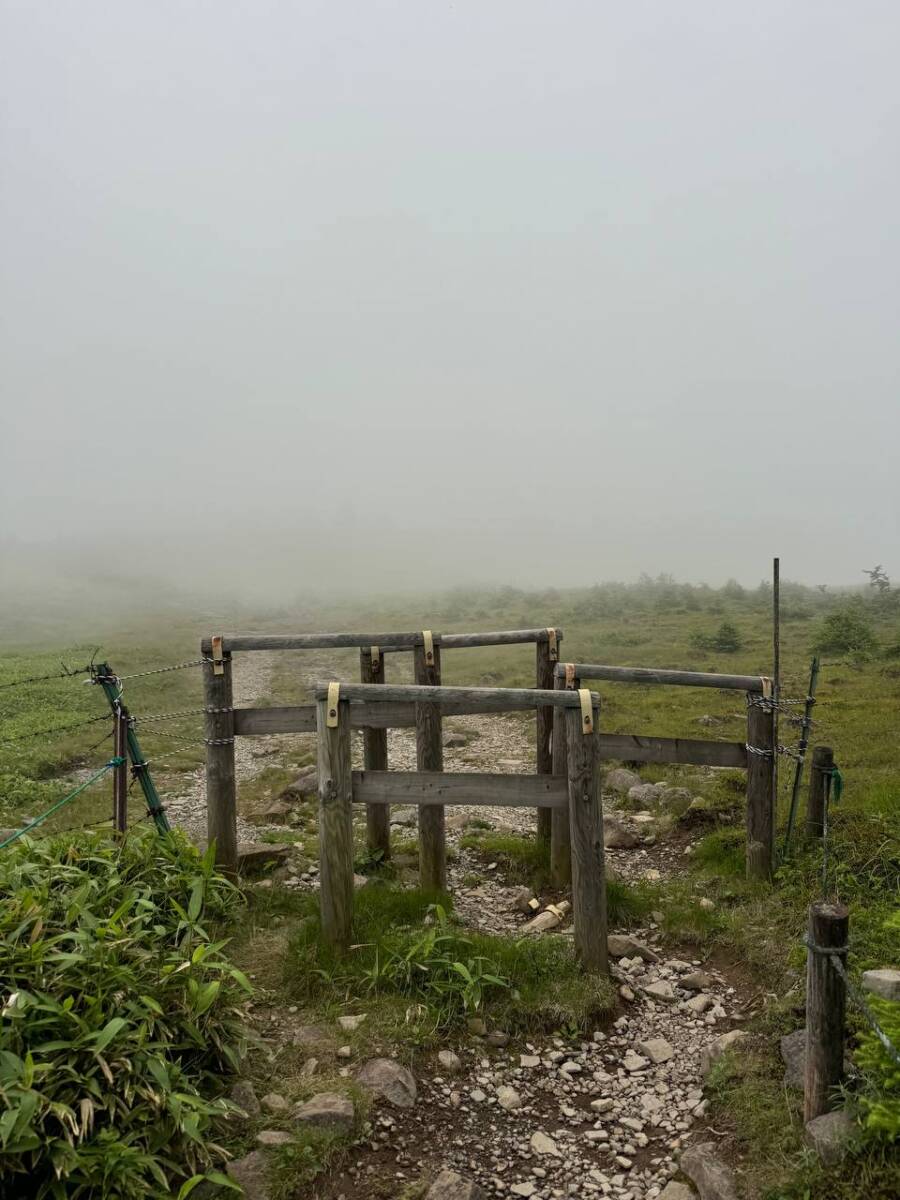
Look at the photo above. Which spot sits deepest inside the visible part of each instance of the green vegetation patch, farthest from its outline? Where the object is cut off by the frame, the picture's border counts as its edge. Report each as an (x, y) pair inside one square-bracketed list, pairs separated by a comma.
[(120, 1015), (406, 945)]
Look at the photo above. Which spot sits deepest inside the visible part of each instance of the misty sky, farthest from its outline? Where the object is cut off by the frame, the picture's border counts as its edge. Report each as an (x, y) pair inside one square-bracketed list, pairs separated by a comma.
[(414, 292)]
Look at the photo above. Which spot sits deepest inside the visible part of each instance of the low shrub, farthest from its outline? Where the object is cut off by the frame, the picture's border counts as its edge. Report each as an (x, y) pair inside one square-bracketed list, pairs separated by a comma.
[(119, 1015), (845, 631)]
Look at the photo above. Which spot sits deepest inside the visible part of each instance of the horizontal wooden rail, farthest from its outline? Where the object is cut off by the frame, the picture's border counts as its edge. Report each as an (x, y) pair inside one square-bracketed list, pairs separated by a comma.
[(385, 641), (633, 747), (738, 683), (464, 699), (441, 787)]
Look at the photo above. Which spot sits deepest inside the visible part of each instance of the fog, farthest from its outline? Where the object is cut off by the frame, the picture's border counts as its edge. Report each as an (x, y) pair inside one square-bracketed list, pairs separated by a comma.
[(385, 295)]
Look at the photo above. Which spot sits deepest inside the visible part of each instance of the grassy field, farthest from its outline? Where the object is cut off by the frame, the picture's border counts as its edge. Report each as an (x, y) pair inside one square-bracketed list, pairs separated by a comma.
[(654, 623)]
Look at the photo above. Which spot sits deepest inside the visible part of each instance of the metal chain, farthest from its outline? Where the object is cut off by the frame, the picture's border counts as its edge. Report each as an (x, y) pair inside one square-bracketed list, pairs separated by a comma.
[(185, 712), (759, 751)]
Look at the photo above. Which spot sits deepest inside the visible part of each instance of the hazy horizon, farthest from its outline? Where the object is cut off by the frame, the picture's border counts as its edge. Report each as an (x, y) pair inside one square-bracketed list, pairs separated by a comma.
[(392, 297)]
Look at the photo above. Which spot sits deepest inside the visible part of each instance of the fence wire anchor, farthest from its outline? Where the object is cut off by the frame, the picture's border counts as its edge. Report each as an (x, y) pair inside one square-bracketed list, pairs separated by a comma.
[(587, 710), (552, 644), (218, 654), (375, 654), (428, 645), (332, 706)]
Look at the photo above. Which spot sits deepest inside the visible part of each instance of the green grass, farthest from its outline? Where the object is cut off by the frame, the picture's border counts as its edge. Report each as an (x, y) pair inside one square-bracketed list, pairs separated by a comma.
[(543, 986)]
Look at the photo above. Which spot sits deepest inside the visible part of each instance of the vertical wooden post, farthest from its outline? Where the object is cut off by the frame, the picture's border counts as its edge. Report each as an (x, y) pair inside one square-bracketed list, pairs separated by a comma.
[(760, 791), (560, 826), (822, 764), (586, 820), (120, 773), (826, 1000), (221, 788), (375, 758), (430, 757), (544, 731), (335, 824)]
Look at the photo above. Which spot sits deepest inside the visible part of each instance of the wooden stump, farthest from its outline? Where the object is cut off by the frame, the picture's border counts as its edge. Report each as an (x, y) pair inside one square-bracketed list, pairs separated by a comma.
[(760, 792), (221, 786), (335, 825), (560, 825), (430, 757), (375, 758), (819, 783), (544, 732), (826, 1000), (586, 820)]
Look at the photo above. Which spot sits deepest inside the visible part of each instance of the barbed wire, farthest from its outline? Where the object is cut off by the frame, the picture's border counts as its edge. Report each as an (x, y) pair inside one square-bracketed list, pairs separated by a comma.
[(65, 673), (21, 737)]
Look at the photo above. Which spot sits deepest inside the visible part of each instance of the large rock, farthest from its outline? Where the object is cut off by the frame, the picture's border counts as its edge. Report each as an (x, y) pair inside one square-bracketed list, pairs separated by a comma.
[(450, 1186), (273, 1137), (696, 981), (713, 1051), (243, 1095), (404, 817), (712, 1177), (643, 794), (305, 784), (390, 1080), (250, 1173), (658, 1050), (616, 836), (621, 780), (884, 983), (661, 991), (676, 1191), (793, 1055), (327, 1110), (508, 1098), (620, 945), (830, 1135), (314, 1039), (253, 856)]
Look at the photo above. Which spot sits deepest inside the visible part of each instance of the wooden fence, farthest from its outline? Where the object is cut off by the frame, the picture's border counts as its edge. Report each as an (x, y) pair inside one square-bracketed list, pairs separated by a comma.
[(755, 755), (341, 707), (224, 723)]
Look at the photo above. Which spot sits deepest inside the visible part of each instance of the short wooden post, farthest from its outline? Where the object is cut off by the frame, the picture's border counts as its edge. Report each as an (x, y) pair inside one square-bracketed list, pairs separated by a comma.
[(586, 820), (375, 758), (430, 757), (221, 788), (819, 775), (545, 662), (335, 823), (120, 773), (560, 827), (826, 998), (760, 790)]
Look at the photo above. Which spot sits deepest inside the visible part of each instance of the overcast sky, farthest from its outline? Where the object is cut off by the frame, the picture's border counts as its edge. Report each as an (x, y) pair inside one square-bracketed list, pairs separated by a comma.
[(415, 292)]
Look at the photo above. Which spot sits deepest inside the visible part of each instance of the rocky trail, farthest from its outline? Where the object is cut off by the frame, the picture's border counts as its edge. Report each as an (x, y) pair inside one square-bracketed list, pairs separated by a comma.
[(619, 1113)]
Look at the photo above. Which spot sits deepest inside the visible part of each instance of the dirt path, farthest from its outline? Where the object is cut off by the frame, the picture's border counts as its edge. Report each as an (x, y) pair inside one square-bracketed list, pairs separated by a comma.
[(551, 1118)]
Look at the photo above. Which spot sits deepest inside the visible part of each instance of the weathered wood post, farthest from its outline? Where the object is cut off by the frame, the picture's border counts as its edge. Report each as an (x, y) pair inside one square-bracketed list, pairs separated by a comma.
[(375, 758), (586, 820), (221, 788), (760, 788), (826, 998), (560, 827), (547, 654), (816, 797), (120, 773), (430, 757), (335, 818)]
